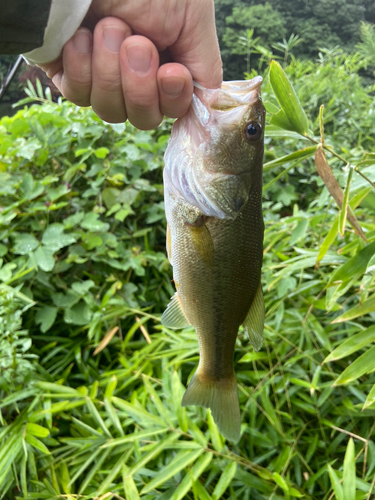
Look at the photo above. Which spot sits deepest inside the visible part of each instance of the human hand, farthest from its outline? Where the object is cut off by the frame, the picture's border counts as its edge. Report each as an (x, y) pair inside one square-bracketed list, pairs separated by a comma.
[(116, 69)]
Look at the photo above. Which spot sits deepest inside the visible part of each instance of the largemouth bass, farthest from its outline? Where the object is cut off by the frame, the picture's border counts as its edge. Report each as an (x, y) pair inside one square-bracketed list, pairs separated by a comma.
[(213, 190)]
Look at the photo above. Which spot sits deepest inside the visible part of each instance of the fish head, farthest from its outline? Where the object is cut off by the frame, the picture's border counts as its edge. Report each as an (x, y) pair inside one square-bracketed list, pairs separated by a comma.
[(234, 156), (216, 150)]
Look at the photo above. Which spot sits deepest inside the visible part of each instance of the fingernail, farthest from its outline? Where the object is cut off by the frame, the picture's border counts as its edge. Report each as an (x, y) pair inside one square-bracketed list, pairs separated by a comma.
[(82, 41), (173, 86), (56, 80), (113, 38), (139, 58)]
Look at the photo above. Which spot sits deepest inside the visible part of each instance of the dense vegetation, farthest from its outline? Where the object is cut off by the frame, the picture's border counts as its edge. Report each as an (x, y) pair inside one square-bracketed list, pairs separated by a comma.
[(317, 24), (91, 383)]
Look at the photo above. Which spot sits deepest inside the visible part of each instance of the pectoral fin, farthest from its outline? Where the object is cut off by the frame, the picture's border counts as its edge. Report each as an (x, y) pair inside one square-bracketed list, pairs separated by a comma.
[(254, 321), (174, 316), (202, 240)]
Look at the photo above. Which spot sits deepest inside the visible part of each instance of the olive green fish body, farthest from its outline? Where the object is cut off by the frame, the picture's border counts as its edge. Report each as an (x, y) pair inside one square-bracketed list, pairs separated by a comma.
[(216, 246)]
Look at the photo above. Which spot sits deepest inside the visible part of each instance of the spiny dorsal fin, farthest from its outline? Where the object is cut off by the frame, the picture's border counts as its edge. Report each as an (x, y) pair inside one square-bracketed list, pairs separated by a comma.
[(174, 316), (254, 321)]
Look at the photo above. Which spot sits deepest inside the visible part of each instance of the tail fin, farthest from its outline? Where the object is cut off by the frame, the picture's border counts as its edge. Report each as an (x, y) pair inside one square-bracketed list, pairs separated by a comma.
[(222, 398)]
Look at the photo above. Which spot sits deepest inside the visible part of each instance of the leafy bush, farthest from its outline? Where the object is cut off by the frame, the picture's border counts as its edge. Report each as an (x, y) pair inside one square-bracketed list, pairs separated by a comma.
[(91, 383)]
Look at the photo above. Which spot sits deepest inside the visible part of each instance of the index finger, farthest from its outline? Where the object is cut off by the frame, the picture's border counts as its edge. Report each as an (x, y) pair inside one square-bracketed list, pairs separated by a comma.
[(197, 46)]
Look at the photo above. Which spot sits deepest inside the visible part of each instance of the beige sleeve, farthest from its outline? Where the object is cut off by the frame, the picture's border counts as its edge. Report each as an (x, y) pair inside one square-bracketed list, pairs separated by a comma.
[(64, 20)]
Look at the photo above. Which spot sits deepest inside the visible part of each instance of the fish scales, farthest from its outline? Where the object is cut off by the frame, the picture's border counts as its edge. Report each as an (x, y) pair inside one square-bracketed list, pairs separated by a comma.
[(213, 189)]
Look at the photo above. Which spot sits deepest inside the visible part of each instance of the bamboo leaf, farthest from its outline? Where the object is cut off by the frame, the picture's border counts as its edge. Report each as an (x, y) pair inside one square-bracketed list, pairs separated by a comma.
[(36, 430), (37, 444), (216, 439), (154, 452), (349, 476), (302, 154), (344, 208), (130, 488), (330, 181), (328, 240), (354, 267), (139, 414), (370, 398), (366, 307), (352, 344), (136, 436), (225, 480), (193, 475), (335, 482), (179, 462), (287, 99), (365, 363), (200, 491)]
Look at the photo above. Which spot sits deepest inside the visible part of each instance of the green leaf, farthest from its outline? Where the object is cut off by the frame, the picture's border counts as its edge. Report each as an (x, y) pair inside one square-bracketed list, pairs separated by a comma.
[(101, 152), (370, 398), (302, 154), (54, 237), (354, 267), (91, 222), (36, 430), (179, 462), (200, 491), (225, 480), (46, 317), (153, 452), (44, 259), (37, 444), (343, 212), (193, 475), (80, 314), (368, 306), (25, 243), (364, 364), (336, 485), (138, 413), (328, 240), (352, 344), (349, 476), (287, 99), (130, 488), (216, 438)]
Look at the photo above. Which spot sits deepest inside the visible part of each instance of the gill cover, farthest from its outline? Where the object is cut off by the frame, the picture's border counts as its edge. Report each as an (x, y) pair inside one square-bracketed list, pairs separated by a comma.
[(208, 136)]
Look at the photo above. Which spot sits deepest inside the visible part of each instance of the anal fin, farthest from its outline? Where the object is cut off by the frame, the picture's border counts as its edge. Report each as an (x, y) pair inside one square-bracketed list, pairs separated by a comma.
[(254, 321), (174, 316)]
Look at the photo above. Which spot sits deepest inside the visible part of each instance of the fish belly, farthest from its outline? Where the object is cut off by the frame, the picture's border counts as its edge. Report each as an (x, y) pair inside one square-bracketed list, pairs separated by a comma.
[(216, 269)]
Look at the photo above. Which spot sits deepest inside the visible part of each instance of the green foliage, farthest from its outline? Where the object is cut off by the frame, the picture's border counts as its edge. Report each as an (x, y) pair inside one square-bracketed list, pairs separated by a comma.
[(319, 24), (91, 383)]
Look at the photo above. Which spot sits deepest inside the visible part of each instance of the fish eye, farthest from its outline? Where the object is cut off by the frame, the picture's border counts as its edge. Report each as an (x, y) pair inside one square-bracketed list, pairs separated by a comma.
[(252, 131)]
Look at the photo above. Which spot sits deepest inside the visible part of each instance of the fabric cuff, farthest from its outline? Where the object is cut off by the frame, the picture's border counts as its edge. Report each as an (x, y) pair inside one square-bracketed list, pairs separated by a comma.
[(64, 19)]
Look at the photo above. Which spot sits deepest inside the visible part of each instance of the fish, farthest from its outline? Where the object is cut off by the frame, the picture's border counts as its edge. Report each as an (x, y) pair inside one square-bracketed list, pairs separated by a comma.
[(213, 204)]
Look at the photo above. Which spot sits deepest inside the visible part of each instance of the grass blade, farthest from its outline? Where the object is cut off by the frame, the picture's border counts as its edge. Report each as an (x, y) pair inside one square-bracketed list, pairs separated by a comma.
[(349, 476)]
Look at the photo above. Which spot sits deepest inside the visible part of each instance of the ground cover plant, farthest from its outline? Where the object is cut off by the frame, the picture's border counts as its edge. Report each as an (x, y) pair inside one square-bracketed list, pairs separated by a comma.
[(91, 383)]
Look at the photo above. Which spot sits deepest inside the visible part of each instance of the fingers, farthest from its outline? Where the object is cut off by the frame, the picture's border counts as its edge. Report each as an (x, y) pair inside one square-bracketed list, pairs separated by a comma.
[(107, 98), (197, 47), (175, 89), (74, 81), (139, 67)]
